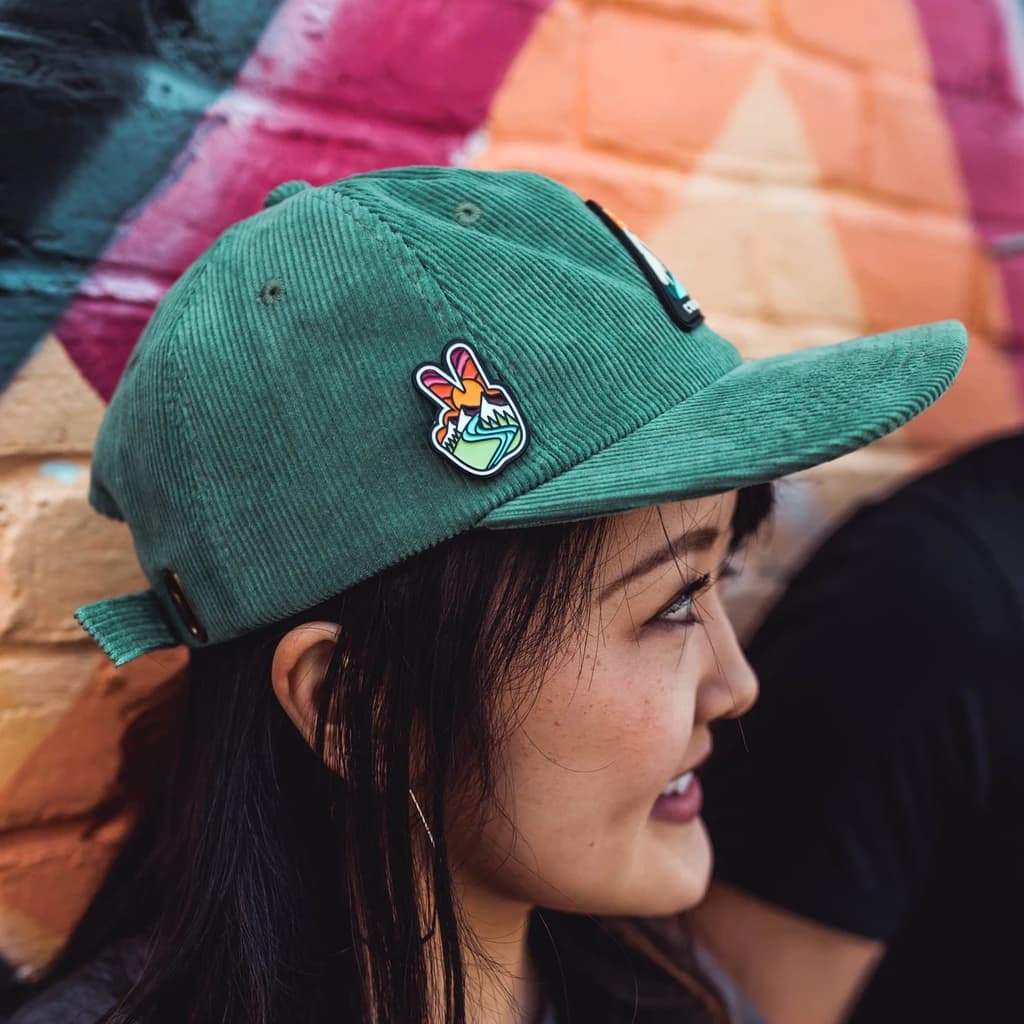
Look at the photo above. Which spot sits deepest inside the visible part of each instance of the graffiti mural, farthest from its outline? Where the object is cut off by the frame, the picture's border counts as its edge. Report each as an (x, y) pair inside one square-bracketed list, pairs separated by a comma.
[(143, 133), (101, 109)]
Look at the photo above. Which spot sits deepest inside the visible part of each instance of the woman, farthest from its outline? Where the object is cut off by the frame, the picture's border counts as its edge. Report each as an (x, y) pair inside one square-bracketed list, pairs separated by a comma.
[(435, 472)]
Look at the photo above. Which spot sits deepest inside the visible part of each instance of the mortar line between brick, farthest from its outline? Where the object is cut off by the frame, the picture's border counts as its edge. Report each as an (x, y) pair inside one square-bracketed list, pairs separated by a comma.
[(693, 18)]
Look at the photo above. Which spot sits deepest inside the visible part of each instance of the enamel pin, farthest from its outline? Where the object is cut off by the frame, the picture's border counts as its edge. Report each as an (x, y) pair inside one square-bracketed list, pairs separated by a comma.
[(683, 310), (478, 426)]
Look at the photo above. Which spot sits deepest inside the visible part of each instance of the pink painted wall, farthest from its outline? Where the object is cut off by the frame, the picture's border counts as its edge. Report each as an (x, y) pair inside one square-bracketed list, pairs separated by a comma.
[(331, 89)]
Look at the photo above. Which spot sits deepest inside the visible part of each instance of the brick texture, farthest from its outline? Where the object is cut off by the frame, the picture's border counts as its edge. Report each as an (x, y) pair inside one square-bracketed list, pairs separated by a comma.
[(60, 554), (910, 266), (64, 424), (870, 33), (743, 13), (829, 99), (546, 77), (651, 80), (910, 153)]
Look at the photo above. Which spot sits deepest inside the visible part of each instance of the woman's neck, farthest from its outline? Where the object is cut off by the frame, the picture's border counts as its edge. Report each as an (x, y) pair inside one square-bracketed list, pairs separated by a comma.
[(502, 983)]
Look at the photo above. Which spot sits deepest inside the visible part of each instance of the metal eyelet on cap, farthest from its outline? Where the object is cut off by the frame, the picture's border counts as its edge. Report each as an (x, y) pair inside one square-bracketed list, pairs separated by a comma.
[(467, 212), (181, 602), (272, 291)]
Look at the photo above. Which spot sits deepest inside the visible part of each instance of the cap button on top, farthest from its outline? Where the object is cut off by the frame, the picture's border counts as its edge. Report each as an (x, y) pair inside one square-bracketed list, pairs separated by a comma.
[(284, 191)]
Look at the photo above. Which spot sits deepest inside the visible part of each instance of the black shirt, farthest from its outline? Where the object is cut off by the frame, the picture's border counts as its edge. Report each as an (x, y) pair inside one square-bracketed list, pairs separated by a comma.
[(883, 789)]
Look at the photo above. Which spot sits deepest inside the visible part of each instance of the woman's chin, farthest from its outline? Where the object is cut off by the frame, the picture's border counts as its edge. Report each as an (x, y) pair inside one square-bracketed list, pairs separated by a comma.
[(669, 875), (680, 868)]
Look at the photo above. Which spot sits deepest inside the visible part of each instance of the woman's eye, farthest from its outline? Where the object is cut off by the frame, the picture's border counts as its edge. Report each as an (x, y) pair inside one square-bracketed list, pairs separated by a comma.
[(681, 611)]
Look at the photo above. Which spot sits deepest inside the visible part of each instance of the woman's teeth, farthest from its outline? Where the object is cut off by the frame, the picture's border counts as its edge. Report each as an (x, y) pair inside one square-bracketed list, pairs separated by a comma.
[(678, 785)]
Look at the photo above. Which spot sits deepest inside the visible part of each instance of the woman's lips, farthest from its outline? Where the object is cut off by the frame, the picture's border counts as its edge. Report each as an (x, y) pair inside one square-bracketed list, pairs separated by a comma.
[(680, 807)]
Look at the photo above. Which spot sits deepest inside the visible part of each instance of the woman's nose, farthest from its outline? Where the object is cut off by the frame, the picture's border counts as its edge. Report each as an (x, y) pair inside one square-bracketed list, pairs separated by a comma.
[(729, 688)]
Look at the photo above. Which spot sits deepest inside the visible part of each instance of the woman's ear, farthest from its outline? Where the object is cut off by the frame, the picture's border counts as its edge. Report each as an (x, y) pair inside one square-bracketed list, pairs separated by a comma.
[(299, 665)]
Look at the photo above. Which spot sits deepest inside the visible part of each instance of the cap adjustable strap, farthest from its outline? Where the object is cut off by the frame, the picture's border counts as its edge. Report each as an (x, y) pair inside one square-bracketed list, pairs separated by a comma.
[(128, 625)]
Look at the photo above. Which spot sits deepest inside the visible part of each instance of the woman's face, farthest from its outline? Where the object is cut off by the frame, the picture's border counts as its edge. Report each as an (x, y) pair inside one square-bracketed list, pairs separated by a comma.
[(613, 723)]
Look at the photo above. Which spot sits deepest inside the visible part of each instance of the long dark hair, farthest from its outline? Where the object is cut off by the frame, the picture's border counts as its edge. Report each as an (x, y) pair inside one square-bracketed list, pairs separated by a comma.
[(276, 882)]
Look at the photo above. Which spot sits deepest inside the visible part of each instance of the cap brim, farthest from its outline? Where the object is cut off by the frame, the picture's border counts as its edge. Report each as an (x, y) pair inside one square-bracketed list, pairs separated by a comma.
[(766, 418)]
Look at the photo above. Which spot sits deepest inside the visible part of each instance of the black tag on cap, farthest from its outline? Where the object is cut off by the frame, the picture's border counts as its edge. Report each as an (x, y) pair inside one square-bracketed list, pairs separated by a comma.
[(683, 310)]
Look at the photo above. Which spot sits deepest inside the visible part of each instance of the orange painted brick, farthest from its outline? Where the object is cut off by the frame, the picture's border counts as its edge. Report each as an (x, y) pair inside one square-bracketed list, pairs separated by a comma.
[(539, 97), (908, 267), (37, 675), (708, 242), (910, 152), (80, 762), (59, 553), (21, 731), (763, 139), (660, 88), (801, 267), (873, 33), (47, 407), (737, 12), (47, 877), (702, 227), (990, 312), (11, 504), (641, 196), (829, 101), (800, 120)]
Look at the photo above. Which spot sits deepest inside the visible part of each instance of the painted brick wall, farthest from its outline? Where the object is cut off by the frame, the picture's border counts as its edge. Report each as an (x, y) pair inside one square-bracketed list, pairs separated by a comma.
[(811, 169)]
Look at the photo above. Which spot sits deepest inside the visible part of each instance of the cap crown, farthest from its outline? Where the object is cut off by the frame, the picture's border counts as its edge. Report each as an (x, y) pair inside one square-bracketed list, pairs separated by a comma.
[(268, 442)]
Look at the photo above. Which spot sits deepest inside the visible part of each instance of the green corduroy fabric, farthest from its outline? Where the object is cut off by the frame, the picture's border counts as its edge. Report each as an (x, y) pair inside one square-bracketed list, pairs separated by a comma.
[(268, 442)]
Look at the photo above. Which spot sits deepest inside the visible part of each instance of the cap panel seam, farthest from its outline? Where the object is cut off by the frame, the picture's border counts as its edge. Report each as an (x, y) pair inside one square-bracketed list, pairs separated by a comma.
[(366, 216), (213, 532), (639, 283)]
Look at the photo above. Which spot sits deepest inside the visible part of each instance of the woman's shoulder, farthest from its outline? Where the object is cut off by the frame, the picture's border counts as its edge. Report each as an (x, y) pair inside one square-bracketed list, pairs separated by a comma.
[(741, 1009), (89, 991)]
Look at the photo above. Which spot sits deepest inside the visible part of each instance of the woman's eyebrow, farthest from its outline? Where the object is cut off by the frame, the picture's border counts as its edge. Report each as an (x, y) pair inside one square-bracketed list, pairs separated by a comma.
[(693, 540)]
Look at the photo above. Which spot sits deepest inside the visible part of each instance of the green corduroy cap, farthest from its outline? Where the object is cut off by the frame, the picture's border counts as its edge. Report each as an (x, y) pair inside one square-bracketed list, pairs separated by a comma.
[(364, 369)]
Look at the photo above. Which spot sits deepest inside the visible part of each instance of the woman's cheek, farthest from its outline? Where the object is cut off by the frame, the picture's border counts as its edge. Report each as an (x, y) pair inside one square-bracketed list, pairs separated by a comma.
[(644, 697), (634, 718)]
